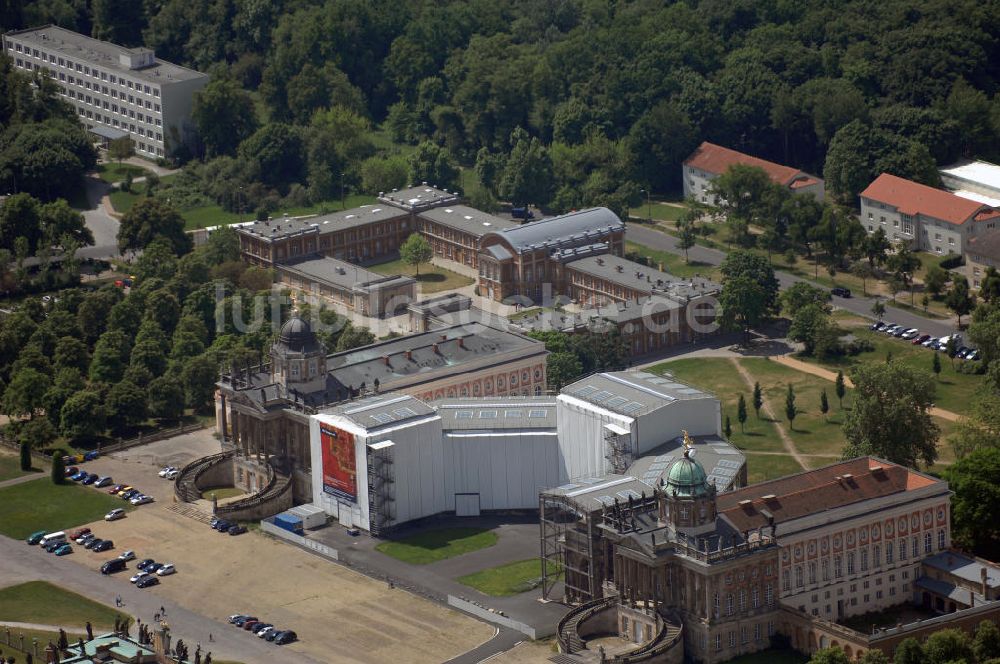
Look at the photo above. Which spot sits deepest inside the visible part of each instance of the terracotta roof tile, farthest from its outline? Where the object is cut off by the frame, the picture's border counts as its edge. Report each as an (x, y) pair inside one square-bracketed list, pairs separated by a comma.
[(817, 490), (716, 159), (914, 198)]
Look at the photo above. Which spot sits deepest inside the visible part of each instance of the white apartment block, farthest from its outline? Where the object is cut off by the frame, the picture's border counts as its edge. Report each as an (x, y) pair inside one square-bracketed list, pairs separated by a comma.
[(923, 217), (116, 91)]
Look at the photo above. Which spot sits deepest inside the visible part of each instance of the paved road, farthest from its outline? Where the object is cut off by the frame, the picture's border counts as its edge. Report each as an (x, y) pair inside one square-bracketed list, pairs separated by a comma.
[(101, 224), (859, 305), (23, 563), (504, 640)]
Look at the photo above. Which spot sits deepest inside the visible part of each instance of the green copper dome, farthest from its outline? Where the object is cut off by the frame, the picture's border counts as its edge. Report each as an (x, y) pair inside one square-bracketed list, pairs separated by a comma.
[(686, 477)]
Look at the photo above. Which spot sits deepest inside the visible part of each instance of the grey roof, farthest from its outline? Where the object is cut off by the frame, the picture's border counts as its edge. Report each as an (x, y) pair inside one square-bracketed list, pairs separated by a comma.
[(433, 355), (101, 53), (618, 312), (446, 303), (381, 410), (965, 567), (632, 393), (593, 494), (420, 197), (109, 133), (499, 252), (573, 229), (945, 589), (340, 274), (466, 219), (720, 459), (528, 413), (641, 277), (284, 227)]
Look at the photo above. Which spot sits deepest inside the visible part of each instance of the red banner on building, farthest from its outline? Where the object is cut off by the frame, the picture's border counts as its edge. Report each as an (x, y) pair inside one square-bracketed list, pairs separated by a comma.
[(340, 475)]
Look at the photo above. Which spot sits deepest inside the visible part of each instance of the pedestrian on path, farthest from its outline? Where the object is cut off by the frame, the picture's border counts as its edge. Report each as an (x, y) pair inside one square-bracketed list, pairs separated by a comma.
[(163, 612)]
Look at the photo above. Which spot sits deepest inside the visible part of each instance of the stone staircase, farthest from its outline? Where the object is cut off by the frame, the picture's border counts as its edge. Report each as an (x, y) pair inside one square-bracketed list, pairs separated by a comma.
[(190, 511)]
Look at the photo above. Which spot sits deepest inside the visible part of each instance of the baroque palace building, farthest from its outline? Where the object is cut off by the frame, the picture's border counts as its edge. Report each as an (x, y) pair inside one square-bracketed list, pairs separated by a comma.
[(689, 572)]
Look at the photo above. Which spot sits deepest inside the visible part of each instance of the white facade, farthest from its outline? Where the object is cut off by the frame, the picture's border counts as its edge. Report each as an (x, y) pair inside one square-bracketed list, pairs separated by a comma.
[(113, 89), (921, 232), (584, 427)]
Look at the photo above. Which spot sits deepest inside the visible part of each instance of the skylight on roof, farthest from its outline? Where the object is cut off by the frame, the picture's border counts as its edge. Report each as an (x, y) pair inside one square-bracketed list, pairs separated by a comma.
[(538, 413), (381, 418), (629, 493), (586, 391), (512, 413), (632, 407), (616, 401), (603, 395), (404, 412), (463, 415), (487, 414)]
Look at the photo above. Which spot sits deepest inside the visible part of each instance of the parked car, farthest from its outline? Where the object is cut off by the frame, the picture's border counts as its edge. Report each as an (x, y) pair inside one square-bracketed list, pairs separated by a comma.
[(272, 633), (53, 545), (90, 456), (112, 566), (261, 633), (889, 329), (79, 476), (928, 342), (71, 471), (239, 622), (130, 494), (904, 330), (83, 539), (64, 549), (877, 325), (973, 355), (103, 481), (144, 563), (90, 479), (962, 350), (223, 525), (840, 291), (91, 543), (286, 636), (105, 545), (166, 469), (522, 213), (139, 574), (141, 499), (153, 568), (127, 556), (167, 570), (36, 537), (237, 530), (260, 627), (910, 334), (115, 514), (233, 618), (248, 624), (921, 339), (147, 581), (77, 534), (172, 475), (125, 489)]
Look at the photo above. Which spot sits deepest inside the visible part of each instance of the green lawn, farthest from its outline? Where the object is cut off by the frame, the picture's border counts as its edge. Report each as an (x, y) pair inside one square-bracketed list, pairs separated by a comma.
[(432, 279), (955, 391), (10, 466), (762, 467), (673, 263), (42, 505), (658, 210), (112, 172), (771, 657), (122, 201), (222, 492), (438, 545), (46, 604), (43, 640), (506, 580)]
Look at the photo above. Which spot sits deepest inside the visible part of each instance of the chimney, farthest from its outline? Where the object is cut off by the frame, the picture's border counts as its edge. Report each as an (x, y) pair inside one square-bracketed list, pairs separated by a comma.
[(409, 354), (461, 342), (385, 360), (434, 347)]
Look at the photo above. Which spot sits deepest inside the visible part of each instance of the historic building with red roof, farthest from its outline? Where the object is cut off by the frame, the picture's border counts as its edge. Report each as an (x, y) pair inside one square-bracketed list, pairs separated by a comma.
[(709, 161), (689, 571), (926, 218)]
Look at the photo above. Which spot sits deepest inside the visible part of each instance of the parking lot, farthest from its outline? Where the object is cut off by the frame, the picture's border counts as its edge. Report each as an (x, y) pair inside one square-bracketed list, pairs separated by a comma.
[(334, 610)]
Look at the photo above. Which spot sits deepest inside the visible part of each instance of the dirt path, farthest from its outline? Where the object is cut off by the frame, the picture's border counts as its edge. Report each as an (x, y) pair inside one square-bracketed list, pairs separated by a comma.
[(831, 376), (785, 439)]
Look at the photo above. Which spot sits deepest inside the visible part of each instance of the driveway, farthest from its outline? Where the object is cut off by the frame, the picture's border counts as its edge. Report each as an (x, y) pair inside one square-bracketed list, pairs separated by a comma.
[(100, 222), (861, 306)]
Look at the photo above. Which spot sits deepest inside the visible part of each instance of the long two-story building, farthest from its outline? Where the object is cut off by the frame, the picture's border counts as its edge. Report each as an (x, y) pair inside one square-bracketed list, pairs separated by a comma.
[(709, 161)]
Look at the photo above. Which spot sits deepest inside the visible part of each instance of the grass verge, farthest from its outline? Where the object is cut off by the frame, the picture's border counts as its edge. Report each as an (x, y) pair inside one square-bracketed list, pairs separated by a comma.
[(438, 545), (42, 505), (10, 467), (43, 603), (432, 279), (112, 172), (222, 492), (506, 580)]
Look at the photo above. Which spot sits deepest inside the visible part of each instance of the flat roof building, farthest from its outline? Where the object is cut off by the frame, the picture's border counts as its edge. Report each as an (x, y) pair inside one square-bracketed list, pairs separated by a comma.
[(116, 91), (976, 180)]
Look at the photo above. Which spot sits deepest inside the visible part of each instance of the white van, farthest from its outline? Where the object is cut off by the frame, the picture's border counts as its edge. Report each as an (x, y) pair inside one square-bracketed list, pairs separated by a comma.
[(53, 537)]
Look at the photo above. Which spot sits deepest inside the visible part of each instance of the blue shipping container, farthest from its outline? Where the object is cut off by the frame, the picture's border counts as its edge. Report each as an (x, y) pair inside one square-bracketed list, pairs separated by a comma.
[(290, 523)]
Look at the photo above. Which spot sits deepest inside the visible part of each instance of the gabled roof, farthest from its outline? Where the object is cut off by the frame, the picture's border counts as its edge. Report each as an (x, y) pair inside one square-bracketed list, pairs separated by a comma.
[(814, 491), (914, 198), (716, 159)]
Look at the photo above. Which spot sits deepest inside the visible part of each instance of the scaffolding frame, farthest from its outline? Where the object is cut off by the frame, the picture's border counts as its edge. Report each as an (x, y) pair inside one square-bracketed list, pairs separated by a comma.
[(618, 448), (381, 481), (560, 532)]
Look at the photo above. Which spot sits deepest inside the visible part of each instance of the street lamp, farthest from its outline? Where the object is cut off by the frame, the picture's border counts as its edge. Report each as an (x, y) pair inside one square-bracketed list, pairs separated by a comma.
[(342, 204)]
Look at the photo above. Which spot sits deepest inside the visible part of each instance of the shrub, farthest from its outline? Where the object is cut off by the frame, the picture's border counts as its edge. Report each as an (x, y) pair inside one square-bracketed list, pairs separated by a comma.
[(58, 467)]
